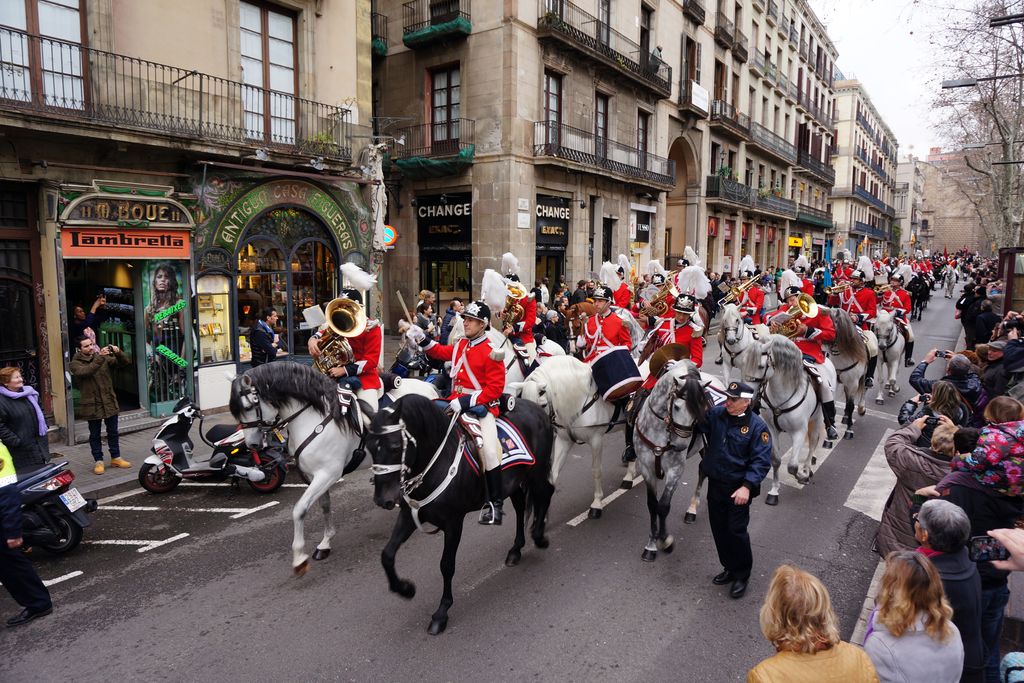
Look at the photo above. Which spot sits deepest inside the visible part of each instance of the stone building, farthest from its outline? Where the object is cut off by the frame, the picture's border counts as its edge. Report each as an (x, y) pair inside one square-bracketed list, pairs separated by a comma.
[(188, 161), (865, 161), (949, 220), (909, 192)]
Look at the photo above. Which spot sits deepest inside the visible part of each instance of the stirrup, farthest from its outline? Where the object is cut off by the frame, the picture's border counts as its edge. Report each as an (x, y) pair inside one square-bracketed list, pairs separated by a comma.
[(490, 514)]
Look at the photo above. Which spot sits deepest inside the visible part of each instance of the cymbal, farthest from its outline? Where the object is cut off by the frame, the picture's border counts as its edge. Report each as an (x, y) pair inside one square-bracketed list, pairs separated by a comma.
[(668, 352)]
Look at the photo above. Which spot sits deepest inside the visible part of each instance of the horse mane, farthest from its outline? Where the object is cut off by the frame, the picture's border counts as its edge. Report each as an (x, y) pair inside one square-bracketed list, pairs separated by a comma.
[(848, 339), (786, 356), (280, 382), (686, 375), (423, 419)]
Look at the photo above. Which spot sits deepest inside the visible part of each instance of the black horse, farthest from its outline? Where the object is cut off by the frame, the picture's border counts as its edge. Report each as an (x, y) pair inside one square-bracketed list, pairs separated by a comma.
[(919, 294), (414, 450)]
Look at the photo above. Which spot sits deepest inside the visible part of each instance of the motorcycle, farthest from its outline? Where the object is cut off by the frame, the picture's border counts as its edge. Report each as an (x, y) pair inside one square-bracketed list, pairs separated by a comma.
[(411, 362), (174, 460), (54, 514)]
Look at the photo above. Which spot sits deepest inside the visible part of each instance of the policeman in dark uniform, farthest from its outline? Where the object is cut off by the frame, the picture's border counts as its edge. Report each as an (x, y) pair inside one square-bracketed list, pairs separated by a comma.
[(737, 458), (16, 571)]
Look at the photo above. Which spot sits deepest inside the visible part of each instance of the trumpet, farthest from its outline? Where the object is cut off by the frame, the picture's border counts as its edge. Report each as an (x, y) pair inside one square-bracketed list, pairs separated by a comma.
[(658, 306), (805, 307), (838, 288), (736, 293), (883, 289)]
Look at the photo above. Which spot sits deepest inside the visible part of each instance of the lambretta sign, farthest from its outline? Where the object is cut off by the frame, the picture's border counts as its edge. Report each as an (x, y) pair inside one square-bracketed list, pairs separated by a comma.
[(85, 242)]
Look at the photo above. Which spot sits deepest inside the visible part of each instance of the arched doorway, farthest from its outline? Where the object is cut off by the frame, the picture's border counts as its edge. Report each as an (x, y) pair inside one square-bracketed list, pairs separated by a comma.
[(681, 205)]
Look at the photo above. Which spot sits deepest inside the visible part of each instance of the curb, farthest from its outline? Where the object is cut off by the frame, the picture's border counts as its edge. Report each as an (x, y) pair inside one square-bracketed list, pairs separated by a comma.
[(860, 630)]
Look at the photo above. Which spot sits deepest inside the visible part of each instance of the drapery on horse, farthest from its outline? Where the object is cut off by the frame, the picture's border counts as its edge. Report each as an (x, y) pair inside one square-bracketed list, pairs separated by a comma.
[(890, 353), (850, 357), (323, 435), (740, 350), (667, 432), (418, 462)]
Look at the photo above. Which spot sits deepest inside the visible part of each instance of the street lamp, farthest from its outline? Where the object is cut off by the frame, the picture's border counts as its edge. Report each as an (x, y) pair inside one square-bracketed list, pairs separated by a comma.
[(971, 82), (1005, 20)]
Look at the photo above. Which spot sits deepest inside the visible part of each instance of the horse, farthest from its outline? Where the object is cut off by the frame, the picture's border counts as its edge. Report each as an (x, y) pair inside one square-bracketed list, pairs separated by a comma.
[(418, 465), (304, 404), (850, 358), (667, 432), (738, 341), (890, 353), (515, 366), (920, 292)]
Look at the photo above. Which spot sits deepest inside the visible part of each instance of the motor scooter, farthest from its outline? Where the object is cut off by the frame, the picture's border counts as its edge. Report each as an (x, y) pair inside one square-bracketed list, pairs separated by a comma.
[(54, 514), (410, 362), (173, 458)]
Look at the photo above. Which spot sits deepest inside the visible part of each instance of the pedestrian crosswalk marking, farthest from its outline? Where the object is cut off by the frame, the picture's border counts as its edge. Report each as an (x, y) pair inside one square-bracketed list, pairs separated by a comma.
[(874, 484)]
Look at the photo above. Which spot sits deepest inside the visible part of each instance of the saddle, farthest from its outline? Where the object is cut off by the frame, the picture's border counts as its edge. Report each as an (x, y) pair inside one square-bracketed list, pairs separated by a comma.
[(514, 450), (812, 370)]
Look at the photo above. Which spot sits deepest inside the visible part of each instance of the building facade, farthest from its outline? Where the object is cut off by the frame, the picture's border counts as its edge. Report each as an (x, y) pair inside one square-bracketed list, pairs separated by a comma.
[(865, 162), (949, 219), (190, 184), (909, 192)]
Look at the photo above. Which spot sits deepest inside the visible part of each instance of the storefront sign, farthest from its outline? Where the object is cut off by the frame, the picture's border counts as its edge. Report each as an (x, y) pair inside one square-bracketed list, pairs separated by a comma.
[(796, 241), (643, 227), (93, 242), (727, 230), (132, 212), (552, 218), (445, 221), (712, 226)]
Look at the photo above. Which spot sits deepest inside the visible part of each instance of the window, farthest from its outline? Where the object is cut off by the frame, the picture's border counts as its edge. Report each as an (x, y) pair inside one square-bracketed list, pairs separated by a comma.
[(643, 122), (445, 110), (48, 70), (601, 125), (604, 21), (646, 24), (553, 106), (268, 71)]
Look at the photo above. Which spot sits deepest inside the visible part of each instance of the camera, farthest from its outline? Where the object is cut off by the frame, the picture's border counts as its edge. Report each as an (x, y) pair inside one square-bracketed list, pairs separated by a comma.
[(931, 421), (1012, 324), (926, 398)]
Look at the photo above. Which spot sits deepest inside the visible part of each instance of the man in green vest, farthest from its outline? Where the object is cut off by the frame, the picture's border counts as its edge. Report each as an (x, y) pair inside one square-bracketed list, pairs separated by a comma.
[(16, 571)]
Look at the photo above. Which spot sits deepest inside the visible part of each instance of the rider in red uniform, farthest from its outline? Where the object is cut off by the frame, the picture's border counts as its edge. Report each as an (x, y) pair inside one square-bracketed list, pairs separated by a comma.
[(682, 328), (478, 375), (752, 304), (605, 330), (622, 296), (810, 335), (361, 373), (862, 304), (897, 301)]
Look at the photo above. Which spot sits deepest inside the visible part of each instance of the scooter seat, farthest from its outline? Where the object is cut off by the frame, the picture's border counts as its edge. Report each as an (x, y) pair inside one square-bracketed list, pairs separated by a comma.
[(218, 432)]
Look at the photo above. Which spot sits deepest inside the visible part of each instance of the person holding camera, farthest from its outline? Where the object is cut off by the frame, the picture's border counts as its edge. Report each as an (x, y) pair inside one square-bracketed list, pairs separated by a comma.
[(944, 400), (960, 373), (98, 401)]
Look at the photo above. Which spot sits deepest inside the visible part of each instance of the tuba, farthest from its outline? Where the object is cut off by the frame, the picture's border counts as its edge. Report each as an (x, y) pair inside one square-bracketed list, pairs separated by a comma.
[(345, 319), (805, 307), (736, 293), (513, 311), (658, 305)]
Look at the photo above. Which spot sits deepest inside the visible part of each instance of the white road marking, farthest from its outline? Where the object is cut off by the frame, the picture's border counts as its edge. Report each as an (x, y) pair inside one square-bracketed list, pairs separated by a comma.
[(234, 512), (224, 484), (119, 496), (582, 517), (822, 455), (874, 484), (61, 579), (144, 546), (246, 513)]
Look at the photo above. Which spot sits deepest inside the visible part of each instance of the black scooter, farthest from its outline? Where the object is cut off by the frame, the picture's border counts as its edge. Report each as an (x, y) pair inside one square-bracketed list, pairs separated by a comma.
[(54, 514), (173, 458)]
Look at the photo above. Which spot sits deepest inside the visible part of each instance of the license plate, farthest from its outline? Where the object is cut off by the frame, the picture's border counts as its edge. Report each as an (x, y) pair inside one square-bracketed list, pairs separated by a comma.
[(73, 499)]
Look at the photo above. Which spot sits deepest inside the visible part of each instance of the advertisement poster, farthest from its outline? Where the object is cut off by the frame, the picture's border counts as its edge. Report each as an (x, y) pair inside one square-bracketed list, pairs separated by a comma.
[(164, 301)]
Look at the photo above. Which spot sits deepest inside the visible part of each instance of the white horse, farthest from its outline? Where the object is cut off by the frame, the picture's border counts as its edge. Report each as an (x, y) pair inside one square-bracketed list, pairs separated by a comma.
[(740, 351), (890, 353), (514, 365), (850, 358)]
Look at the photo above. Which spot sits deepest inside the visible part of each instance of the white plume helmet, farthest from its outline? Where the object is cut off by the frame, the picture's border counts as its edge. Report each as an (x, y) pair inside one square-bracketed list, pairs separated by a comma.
[(789, 279), (747, 264), (626, 266), (509, 264), (655, 268), (357, 277), (864, 266), (693, 280), (801, 262), (690, 255), (609, 275), (905, 271), (493, 290)]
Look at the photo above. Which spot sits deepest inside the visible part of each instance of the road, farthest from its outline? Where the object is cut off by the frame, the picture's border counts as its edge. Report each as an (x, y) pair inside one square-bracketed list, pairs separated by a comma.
[(197, 584)]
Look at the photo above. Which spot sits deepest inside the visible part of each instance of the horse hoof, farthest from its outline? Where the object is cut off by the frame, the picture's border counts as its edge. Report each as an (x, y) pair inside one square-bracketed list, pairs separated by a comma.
[(848, 435), (595, 513), (626, 485), (301, 569), (814, 460), (541, 542), (880, 401), (891, 393), (319, 554), (406, 589), (861, 410), (689, 518), (437, 625), (792, 469), (667, 545), (513, 557), (846, 420), (828, 444), (771, 499), (649, 555)]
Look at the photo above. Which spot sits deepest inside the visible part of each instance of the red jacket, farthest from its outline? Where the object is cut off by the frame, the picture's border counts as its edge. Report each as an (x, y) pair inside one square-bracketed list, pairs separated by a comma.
[(860, 302), (523, 329), (897, 302), (622, 296), (602, 334), (820, 330), (475, 372), (752, 304), (808, 287), (366, 355), (671, 332)]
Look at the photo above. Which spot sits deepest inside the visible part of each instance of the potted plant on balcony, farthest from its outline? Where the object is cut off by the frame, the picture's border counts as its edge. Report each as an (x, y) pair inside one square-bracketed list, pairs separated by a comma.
[(777, 191), (763, 192), (321, 143), (725, 172)]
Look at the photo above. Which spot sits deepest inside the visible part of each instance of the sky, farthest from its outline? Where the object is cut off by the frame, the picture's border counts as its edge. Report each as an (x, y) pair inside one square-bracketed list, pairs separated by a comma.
[(885, 44)]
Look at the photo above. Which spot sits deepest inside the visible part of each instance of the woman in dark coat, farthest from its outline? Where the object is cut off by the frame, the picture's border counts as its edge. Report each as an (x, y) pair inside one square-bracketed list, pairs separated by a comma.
[(22, 425)]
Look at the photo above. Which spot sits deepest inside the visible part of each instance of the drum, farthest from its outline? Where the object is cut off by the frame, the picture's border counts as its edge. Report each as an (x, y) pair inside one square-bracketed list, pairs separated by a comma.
[(616, 374)]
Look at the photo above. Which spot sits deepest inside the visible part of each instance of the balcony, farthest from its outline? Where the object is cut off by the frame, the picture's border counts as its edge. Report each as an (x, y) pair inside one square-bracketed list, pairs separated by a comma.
[(426, 22), (766, 202), (694, 10), (727, 191), (739, 47), (773, 12), (807, 163), (724, 32), (770, 72), (862, 120), (771, 144), (758, 5), (757, 64), (862, 194), (379, 30), (117, 94), (814, 216), (794, 36), (693, 99), (728, 122), (783, 25), (803, 49), (869, 230), (436, 150), (574, 147), (565, 23)]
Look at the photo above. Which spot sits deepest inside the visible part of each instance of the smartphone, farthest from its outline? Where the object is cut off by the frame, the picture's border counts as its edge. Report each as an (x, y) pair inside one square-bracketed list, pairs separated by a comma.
[(986, 549)]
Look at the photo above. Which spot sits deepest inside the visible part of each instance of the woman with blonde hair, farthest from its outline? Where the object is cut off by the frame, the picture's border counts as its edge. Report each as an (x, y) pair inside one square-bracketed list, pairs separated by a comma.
[(911, 634), (1003, 409), (797, 618)]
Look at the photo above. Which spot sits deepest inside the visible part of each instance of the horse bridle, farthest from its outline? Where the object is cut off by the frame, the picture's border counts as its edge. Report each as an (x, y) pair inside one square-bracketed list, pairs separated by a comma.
[(890, 338), (266, 426), (781, 409), (674, 428)]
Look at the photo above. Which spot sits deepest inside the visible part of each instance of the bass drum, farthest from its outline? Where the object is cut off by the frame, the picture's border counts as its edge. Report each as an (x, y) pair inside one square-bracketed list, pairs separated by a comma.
[(616, 374)]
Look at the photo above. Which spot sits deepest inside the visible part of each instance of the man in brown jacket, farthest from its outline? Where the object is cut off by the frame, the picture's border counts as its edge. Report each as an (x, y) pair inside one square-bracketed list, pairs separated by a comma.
[(98, 402)]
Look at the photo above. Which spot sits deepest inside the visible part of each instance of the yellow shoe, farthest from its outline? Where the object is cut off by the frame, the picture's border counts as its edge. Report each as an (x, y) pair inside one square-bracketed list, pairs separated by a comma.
[(98, 467), (120, 462)]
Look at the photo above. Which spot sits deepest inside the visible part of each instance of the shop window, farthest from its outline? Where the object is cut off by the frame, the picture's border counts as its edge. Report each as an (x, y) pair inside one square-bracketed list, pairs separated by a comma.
[(262, 283), (42, 62), (212, 299)]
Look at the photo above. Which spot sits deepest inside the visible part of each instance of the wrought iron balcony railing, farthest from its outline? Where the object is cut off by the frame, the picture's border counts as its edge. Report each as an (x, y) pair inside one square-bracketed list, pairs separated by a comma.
[(775, 205), (871, 199), (757, 63), (803, 49), (425, 22), (64, 80), (783, 26), (693, 98), (724, 31), (694, 9), (771, 143), (773, 12), (434, 140), (819, 216), (823, 171), (379, 30), (869, 230), (739, 46), (568, 23), (729, 190), (583, 147), (726, 116)]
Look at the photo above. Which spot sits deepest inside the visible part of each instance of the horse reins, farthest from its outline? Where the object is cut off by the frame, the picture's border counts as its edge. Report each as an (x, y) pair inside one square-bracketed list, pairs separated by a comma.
[(779, 411)]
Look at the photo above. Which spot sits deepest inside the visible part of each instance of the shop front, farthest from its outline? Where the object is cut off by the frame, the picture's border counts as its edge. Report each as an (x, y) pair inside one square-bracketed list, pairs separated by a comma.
[(712, 251), (796, 244), (444, 225), (641, 219), (553, 215), (728, 232), (125, 249), (268, 243)]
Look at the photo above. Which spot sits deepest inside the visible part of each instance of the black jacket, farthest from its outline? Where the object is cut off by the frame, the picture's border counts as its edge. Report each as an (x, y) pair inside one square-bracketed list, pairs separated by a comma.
[(911, 410), (19, 430), (579, 296), (10, 513), (556, 333), (963, 304), (262, 343), (994, 378), (986, 512), (739, 449), (983, 326), (962, 583), (970, 387)]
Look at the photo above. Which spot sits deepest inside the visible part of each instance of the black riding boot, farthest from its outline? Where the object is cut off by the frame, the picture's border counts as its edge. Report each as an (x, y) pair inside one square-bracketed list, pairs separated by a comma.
[(629, 455), (908, 351), (491, 512), (828, 410), (869, 381)]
